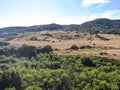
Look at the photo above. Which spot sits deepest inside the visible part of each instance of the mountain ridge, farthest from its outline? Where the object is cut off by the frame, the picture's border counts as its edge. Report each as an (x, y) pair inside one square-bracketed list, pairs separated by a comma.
[(102, 25)]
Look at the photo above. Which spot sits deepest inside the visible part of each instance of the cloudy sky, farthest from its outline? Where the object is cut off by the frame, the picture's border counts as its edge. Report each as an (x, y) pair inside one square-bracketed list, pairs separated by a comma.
[(35, 12)]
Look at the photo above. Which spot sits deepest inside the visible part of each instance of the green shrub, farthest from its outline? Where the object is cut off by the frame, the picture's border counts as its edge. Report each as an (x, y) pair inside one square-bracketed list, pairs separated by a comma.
[(34, 87), (115, 54), (33, 38), (103, 53), (86, 47), (87, 61), (74, 47), (4, 43), (47, 34), (10, 88), (26, 51), (59, 72), (10, 79), (45, 49)]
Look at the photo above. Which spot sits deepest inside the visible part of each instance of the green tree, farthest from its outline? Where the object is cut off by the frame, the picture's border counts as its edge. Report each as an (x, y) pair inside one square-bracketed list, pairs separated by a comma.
[(87, 61)]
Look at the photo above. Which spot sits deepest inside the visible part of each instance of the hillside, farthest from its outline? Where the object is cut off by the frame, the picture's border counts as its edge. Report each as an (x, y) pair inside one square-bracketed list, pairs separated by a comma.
[(101, 25), (11, 29), (95, 26), (61, 57), (52, 26), (31, 28)]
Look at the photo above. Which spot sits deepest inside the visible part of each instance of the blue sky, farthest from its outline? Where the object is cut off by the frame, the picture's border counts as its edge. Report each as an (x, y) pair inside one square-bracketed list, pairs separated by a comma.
[(35, 12)]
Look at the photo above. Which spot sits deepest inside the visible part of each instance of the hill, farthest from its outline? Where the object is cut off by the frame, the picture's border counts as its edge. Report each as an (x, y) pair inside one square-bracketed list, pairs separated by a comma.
[(11, 29), (101, 25), (52, 26), (34, 28)]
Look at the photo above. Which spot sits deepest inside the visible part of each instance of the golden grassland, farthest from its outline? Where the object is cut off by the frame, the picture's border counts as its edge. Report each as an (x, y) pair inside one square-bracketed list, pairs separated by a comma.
[(61, 41)]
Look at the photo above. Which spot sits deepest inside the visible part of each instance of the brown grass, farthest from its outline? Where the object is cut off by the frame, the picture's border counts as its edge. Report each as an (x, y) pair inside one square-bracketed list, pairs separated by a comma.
[(112, 47)]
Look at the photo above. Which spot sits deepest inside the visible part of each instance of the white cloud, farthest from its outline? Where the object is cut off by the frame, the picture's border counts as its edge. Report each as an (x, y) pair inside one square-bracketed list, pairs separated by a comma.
[(111, 14), (86, 3)]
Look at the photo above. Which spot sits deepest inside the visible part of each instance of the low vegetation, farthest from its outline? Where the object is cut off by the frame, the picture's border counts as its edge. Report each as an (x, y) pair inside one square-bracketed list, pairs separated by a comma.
[(37, 68), (74, 47), (34, 38), (4, 43), (25, 51), (47, 34), (103, 53), (58, 72), (102, 38), (86, 47)]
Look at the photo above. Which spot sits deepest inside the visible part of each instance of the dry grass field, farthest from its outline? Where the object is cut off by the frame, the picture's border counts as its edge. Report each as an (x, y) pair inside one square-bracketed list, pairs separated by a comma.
[(61, 41)]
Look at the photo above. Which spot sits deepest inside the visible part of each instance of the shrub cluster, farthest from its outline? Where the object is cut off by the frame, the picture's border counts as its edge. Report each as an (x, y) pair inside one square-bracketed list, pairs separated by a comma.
[(59, 72), (25, 51)]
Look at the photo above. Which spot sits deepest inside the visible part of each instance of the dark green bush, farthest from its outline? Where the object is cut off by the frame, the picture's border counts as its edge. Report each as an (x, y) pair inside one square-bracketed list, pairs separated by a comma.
[(45, 49), (10, 79), (86, 47), (34, 38), (103, 53), (87, 61), (26, 51), (4, 43), (74, 47)]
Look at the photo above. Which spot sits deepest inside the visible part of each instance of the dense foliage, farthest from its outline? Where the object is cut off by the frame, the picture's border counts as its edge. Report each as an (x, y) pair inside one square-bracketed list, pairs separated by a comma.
[(58, 72), (25, 51), (4, 43)]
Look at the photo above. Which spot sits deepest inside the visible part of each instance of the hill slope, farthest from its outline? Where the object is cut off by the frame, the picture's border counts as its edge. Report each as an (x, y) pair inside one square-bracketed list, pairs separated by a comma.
[(32, 28), (11, 29), (101, 25), (52, 26)]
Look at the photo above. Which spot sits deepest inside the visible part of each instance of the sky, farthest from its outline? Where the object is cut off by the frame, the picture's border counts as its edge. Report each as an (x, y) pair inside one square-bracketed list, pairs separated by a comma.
[(36, 12)]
